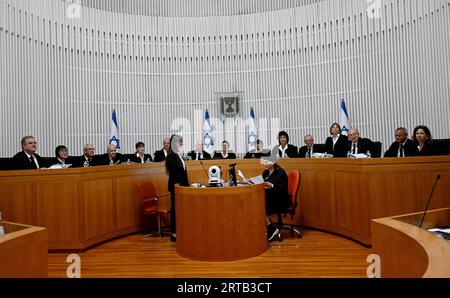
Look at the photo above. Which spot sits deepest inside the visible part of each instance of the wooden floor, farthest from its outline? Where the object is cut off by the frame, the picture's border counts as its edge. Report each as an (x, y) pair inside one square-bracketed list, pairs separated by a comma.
[(317, 254)]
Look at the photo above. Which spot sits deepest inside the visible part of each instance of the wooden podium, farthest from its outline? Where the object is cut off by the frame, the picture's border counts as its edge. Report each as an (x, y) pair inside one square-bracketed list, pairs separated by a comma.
[(23, 251), (220, 224), (408, 251)]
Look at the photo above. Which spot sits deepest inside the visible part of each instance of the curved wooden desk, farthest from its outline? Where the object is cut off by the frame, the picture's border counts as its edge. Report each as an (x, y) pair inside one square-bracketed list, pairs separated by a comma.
[(221, 224), (83, 207), (407, 251), (80, 207), (23, 251)]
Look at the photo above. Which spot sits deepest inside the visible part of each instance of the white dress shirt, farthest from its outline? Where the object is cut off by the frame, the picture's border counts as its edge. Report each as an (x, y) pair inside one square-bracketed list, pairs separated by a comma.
[(182, 160), (141, 157), (335, 139), (283, 151)]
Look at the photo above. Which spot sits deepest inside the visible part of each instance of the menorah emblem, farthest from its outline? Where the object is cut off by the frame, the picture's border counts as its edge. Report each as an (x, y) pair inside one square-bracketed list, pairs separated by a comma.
[(229, 101), (230, 106)]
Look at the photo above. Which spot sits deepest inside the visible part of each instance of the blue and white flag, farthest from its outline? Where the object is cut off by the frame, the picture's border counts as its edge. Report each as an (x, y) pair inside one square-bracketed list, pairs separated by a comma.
[(115, 139), (252, 133), (344, 121), (208, 142)]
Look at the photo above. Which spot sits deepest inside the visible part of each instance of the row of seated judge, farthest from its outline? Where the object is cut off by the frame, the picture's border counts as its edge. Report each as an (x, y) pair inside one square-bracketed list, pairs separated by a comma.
[(338, 145)]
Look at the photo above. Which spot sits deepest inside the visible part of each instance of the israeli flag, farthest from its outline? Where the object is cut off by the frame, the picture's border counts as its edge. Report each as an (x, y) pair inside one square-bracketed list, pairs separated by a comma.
[(252, 133), (208, 143), (115, 139), (344, 121)]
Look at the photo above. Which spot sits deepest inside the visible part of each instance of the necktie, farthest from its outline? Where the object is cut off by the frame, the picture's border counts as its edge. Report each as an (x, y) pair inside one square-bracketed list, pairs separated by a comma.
[(309, 152), (33, 164), (401, 151), (354, 149)]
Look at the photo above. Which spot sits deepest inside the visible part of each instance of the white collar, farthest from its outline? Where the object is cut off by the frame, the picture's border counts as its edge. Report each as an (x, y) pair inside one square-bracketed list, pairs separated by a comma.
[(281, 148)]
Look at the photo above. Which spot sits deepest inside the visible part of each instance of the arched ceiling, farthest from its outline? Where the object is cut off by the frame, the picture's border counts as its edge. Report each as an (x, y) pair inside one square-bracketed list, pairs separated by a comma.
[(191, 8)]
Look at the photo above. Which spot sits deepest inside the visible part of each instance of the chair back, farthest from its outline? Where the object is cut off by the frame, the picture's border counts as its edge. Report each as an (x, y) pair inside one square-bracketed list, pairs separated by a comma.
[(377, 149), (147, 191), (293, 186)]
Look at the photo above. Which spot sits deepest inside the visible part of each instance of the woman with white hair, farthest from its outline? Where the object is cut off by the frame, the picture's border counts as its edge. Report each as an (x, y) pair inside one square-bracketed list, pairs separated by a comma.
[(276, 188)]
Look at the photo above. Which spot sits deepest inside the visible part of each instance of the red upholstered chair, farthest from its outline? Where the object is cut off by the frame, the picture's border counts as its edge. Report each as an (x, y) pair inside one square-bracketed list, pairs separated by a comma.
[(150, 204), (293, 187)]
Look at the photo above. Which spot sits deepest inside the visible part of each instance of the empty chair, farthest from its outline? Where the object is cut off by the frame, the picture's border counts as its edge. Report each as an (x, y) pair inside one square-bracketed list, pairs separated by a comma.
[(150, 204)]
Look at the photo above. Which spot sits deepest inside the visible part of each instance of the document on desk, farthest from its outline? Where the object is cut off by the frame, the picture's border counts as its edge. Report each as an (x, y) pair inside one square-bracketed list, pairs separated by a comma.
[(257, 180), (60, 166), (444, 230)]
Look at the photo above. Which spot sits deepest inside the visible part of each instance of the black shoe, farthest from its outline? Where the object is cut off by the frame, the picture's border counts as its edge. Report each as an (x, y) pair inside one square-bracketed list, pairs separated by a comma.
[(173, 238), (272, 232)]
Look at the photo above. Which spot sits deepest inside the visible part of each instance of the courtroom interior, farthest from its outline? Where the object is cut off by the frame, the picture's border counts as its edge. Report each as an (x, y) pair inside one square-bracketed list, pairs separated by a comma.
[(224, 139)]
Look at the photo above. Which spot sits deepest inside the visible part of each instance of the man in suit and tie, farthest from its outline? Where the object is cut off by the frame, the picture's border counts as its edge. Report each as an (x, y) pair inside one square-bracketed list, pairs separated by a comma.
[(310, 148), (360, 145), (27, 159), (259, 152), (161, 155), (402, 147), (110, 158), (87, 159), (199, 153)]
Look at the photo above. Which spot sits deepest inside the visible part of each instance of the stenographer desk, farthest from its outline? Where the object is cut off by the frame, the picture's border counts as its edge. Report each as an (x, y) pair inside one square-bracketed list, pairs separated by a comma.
[(23, 251), (86, 206), (221, 223), (408, 251)]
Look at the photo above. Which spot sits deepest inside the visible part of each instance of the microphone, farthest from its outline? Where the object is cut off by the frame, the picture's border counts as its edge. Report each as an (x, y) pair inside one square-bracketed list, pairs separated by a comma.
[(429, 199), (206, 172)]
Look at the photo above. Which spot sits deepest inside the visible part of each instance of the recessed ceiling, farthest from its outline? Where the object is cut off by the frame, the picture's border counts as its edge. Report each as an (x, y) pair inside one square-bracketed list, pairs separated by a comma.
[(191, 8)]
